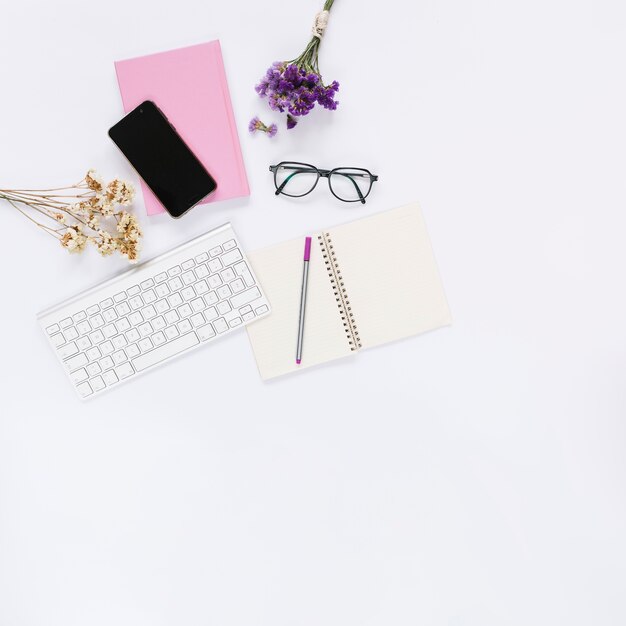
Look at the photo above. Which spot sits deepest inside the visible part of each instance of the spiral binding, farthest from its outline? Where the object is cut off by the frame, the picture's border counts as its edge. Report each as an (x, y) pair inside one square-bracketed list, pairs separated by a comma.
[(339, 289)]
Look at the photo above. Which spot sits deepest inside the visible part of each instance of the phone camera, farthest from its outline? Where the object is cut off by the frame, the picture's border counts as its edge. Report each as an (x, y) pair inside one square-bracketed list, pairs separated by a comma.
[(140, 110)]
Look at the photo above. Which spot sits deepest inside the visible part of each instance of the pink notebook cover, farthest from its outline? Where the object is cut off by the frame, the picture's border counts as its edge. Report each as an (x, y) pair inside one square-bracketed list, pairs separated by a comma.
[(189, 86)]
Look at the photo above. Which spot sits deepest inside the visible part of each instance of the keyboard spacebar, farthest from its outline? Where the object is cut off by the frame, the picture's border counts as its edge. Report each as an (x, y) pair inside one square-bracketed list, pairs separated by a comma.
[(165, 351)]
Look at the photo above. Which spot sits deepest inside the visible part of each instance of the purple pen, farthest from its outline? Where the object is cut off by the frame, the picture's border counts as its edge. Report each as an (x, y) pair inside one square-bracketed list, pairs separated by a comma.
[(305, 281)]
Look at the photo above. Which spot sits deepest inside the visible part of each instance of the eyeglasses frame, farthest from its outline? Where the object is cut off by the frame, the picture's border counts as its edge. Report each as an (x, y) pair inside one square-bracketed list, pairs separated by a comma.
[(321, 173)]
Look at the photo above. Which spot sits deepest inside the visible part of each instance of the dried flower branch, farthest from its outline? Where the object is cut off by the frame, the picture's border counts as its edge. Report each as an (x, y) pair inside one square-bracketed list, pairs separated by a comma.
[(88, 212)]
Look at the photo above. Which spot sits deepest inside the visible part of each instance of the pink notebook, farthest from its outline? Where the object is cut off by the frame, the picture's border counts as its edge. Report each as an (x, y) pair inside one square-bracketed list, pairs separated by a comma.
[(189, 86)]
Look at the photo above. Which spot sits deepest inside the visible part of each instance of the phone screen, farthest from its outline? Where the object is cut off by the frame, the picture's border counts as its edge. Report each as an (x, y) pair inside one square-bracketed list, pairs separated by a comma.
[(162, 159)]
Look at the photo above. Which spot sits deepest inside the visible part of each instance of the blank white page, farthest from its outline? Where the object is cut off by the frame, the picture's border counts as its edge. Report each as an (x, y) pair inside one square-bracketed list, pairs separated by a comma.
[(391, 276), (274, 338)]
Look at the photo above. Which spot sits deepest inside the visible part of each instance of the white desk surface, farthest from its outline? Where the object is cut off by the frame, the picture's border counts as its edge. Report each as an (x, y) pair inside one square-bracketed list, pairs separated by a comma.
[(473, 476)]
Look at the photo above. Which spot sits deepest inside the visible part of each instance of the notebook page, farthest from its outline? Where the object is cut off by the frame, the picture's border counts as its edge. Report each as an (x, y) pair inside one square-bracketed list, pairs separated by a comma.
[(391, 276), (274, 338)]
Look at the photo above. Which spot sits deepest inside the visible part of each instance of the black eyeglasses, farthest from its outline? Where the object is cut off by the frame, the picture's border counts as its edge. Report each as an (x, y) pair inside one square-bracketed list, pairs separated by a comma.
[(348, 184)]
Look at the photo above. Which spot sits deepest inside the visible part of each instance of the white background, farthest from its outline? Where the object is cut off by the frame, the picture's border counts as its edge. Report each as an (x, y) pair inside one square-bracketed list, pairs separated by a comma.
[(472, 476)]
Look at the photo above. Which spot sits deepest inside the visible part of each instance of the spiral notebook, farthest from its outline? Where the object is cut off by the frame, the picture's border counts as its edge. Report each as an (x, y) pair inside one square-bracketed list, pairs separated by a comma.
[(371, 281)]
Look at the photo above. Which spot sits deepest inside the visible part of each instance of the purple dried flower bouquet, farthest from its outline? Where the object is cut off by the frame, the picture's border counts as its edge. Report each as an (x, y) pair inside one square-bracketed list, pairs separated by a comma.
[(296, 86)]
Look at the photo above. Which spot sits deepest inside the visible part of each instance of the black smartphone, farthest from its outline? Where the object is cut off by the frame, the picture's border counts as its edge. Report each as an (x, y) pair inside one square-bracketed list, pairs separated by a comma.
[(165, 162)]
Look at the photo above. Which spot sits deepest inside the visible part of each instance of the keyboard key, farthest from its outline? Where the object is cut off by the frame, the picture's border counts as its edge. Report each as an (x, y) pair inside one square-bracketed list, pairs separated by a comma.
[(119, 342), (110, 377), (146, 284), (174, 271), (231, 243), (106, 363), (67, 350), (202, 271), (174, 300), (132, 351), (97, 321), (201, 258), (93, 369), (236, 321), (224, 292), (57, 340), (145, 329), (185, 310), (188, 264), (165, 351), (70, 334), (231, 257), (261, 309), (145, 344), (171, 332), (189, 278), (133, 291), (96, 337), (227, 275), (118, 297), (109, 315), (188, 293), (132, 335), (197, 304), (245, 297), (105, 304), (135, 318), (197, 320), (79, 375), (83, 343), (122, 325), (248, 316), (83, 327), (109, 331), (93, 354), (224, 307), (242, 271), (211, 314), (201, 287), (214, 281), (122, 309), (215, 265), (97, 383), (171, 317), (220, 325), (158, 323), (184, 326), (159, 278), (158, 339), (119, 357), (211, 298), (80, 360), (65, 323), (84, 389), (149, 296), (149, 312), (162, 290), (175, 284), (92, 310), (162, 305), (106, 347), (237, 285), (215, 251), (245, 309), (136, 303), (124, 371), (81, 315), (205, 332)]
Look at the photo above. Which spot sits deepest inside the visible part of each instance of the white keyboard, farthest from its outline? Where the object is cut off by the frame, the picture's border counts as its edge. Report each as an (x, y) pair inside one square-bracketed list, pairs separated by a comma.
[(160, 309)]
